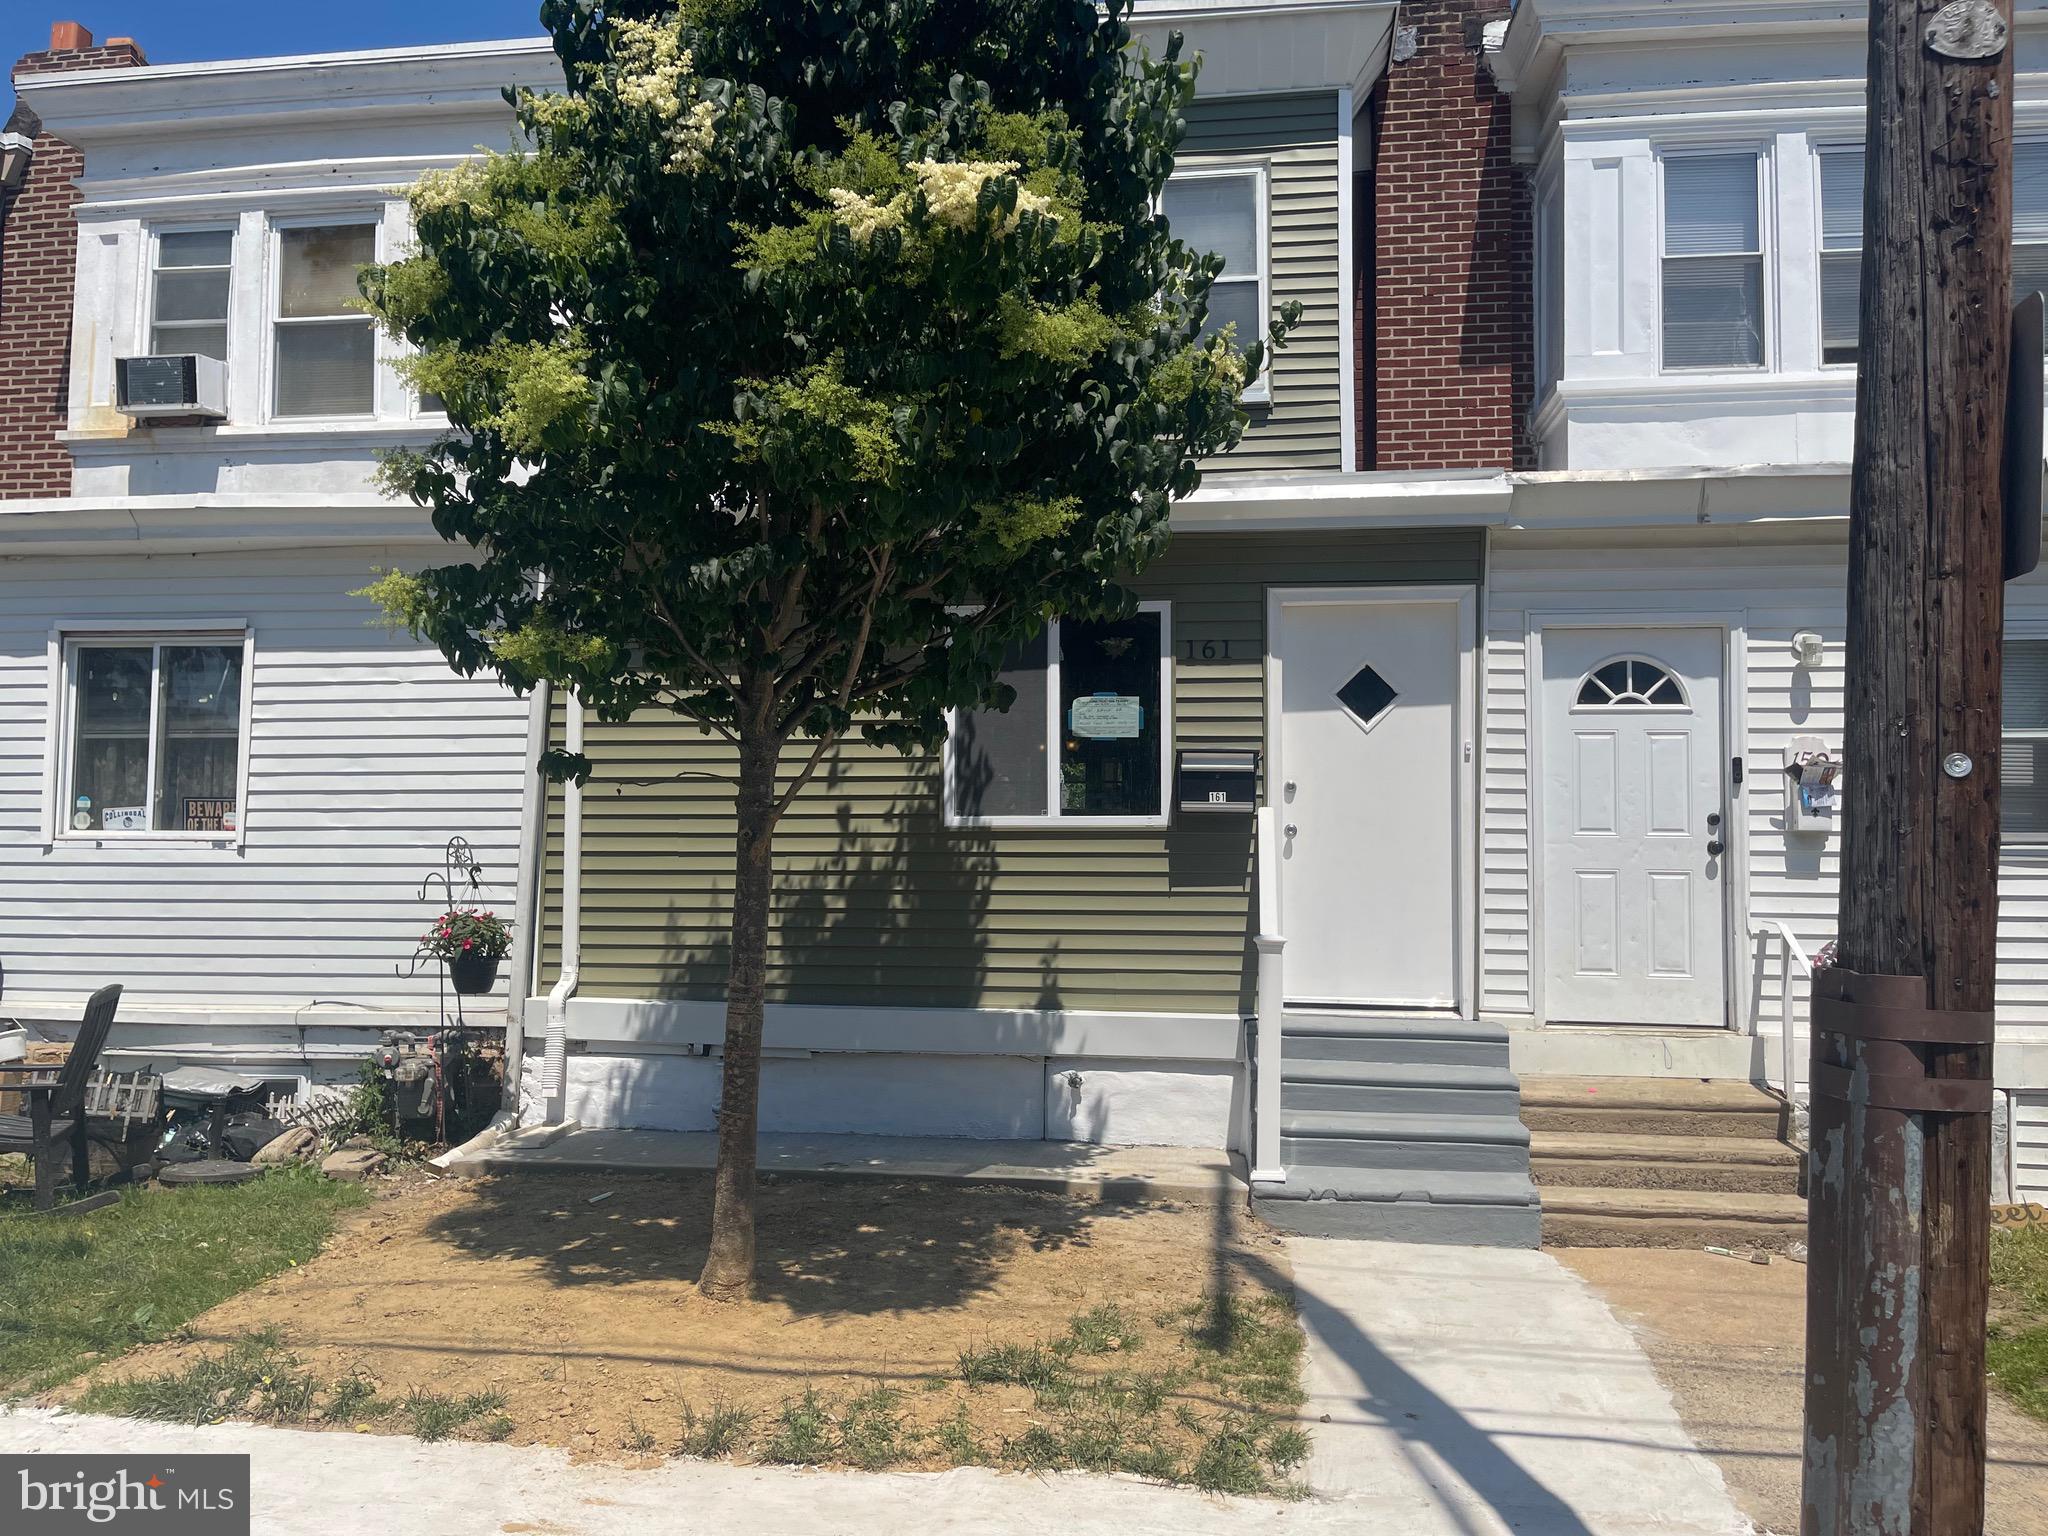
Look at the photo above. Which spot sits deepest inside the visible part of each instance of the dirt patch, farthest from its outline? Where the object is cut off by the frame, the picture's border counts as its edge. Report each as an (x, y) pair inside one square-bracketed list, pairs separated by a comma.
[(1727, 1338), (569, 1302)]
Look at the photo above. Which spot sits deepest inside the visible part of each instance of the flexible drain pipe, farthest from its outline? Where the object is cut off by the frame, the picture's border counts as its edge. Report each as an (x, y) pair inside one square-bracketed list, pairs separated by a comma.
[(533, 825), (555, 1059)]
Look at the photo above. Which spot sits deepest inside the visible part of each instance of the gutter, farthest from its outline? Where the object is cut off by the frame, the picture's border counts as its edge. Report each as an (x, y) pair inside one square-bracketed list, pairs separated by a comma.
[(555, 1060), (525, 955)]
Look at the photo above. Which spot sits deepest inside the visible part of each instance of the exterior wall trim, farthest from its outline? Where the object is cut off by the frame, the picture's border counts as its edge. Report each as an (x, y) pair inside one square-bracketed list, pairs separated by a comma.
[(1734, 695), (692, 1024)]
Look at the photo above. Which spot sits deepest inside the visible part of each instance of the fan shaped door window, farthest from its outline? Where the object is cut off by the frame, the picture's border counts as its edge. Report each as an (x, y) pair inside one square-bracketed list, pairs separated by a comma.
[(1635, 829)]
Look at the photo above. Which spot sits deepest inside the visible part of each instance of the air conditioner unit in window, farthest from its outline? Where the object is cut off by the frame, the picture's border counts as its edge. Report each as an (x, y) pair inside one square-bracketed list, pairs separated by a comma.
[(176, 384)]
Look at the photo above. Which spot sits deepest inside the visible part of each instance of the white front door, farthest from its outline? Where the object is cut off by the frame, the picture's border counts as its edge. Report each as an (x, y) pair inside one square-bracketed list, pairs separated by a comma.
[(1369, 790), (1634, 822)]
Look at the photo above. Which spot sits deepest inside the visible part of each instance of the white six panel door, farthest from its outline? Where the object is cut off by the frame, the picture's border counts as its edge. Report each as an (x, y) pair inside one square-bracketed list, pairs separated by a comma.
[(1368, 790), (1634, 826)]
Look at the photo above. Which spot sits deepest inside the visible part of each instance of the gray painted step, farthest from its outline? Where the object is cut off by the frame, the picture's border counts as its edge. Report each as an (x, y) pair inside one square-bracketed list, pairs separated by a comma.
[(1370, 1037), (1448, 1143), (1493, 1210), (1397, 1087)]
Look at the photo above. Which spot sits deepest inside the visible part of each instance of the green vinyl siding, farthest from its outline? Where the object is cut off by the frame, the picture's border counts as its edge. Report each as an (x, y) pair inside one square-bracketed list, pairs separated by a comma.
[(877, 901), (1295, 138)]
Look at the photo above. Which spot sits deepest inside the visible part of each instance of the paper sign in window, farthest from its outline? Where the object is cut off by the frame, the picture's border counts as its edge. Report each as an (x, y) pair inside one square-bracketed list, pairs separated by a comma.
[(1107, 717)]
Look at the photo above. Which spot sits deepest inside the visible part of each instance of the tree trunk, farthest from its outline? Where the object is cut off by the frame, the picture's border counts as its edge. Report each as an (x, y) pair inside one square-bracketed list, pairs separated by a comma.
[(1896, 1281), (729, 1268)]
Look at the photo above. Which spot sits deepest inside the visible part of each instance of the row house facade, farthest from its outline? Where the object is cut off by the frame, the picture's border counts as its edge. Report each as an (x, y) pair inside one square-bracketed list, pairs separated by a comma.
[(1466, 691)]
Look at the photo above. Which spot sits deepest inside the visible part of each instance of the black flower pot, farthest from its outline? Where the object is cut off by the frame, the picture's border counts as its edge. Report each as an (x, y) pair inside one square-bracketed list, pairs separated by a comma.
[(473, 974)]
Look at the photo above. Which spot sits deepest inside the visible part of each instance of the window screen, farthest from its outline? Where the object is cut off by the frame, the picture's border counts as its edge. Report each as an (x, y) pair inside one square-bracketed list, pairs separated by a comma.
[(1841, 252), (189, 292), (999, 756), (326, 347), (1713, 263)]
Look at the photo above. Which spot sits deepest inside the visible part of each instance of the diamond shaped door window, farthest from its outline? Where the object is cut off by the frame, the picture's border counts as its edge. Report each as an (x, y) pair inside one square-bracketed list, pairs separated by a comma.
[(1367, 696)]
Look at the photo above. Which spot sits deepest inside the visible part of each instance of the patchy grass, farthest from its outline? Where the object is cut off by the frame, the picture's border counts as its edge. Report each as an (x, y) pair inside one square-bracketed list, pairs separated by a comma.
[(720, 1432), (2016, 1349), (257, 1378), (75, 1289)]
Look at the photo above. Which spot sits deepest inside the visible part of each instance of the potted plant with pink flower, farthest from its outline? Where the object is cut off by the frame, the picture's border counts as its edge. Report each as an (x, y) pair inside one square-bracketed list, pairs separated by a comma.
[(470, 941)]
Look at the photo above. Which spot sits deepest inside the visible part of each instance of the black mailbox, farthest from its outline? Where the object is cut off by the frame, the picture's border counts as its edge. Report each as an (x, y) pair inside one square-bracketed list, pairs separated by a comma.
[(1217, 779)]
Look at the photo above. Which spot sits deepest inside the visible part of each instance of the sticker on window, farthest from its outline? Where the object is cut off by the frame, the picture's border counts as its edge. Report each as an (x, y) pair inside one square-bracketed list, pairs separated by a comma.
[(125, 818), (1107, 717), (209, 815)]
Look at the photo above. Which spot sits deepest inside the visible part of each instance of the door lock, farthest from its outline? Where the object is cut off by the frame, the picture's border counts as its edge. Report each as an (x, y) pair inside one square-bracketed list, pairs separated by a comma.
[(1713, 820), (1289, 829), (1714, 849)]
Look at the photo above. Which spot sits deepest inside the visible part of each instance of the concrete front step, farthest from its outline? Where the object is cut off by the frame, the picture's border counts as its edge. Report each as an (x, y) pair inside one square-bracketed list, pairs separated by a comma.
[(1381, 1038), (1586, 1159), (1651, 1106), (1442, 1143), (1671, 1218), (1397, 1087), (1492, 1209)]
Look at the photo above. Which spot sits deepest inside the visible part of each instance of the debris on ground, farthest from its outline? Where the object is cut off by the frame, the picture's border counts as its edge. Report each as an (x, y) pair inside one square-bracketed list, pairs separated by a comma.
[(353, 1164), (296, 1143)]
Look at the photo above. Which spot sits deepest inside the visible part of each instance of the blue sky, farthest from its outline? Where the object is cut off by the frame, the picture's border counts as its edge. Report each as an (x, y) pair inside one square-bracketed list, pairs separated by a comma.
[(177, 31)]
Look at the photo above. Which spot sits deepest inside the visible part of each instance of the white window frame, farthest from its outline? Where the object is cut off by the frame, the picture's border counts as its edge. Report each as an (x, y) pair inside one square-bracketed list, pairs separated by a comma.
[(2037, 139), (1820, 149), (145, 339), (66, 641), (1259, 172), (371, 218), (1764, 254), (1053, 817), (2029, 631)]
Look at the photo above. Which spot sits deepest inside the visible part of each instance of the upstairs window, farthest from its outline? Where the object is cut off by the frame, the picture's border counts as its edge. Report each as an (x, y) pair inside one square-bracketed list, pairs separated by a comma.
[(155, 739), (1224, 213), (189, 292), (1841, 252), (2023, 749), (1086, 739), (326, 352), (1713, 262), (1841, 238)]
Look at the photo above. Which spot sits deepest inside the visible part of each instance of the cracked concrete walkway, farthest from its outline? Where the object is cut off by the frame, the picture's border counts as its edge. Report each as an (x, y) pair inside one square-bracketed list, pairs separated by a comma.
[(1452, 1392)]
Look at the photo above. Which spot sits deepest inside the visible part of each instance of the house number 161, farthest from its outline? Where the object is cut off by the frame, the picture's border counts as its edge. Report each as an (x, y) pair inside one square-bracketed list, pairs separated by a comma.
[(1207, 650)]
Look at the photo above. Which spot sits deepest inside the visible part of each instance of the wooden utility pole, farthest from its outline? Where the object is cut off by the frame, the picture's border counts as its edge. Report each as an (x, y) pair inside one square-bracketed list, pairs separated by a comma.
[(1901, 1130)]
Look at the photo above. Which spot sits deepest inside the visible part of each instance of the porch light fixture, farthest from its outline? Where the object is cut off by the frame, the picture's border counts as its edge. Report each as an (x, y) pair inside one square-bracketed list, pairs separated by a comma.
[(15, 152), (1807, 648)]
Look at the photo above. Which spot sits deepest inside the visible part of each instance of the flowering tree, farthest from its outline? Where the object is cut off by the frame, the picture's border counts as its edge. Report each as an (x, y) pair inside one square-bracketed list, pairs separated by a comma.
[(806, 355)]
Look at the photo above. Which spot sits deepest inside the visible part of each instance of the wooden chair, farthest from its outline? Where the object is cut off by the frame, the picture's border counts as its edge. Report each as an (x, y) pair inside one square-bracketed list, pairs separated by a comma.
[(56, 1103)]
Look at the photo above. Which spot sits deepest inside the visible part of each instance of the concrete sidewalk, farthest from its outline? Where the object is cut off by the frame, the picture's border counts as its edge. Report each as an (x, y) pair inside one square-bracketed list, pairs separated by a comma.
[(1054, 1167), (1453, 1392)]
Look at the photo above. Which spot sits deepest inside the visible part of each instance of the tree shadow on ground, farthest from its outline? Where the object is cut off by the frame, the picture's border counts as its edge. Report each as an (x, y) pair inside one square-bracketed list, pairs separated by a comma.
[(825, 1246)]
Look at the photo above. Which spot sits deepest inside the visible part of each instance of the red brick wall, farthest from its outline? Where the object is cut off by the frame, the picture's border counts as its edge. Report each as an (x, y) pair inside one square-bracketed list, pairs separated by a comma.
[(1445, 306), (38, 258)]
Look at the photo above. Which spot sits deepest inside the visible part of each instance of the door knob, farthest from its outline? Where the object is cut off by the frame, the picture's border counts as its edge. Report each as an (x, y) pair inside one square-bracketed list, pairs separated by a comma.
[(1713, 820), (1714, 849), (1290, 829)]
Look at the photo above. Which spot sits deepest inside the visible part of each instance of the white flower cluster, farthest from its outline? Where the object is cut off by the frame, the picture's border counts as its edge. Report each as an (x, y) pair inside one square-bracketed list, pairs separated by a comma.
[(952, 191), (655, 74), (457, 186), (863, 216)]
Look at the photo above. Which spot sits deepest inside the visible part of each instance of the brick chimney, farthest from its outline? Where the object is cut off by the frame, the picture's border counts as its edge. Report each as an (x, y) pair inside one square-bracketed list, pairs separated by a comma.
[(38, 261)]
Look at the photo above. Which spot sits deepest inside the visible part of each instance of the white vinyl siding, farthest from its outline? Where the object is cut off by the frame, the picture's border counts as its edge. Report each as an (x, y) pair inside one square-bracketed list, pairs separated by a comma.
[(1713, 262), (2029, 1132), (366, 754)]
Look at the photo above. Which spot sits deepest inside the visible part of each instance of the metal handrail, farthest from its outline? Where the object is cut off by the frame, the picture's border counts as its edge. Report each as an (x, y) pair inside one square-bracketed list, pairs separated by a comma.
[(1793, 957), (1263, 1151)]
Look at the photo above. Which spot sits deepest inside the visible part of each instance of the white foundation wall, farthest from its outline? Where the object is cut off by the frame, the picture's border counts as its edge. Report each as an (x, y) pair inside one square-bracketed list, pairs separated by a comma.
[(365, 755), (1769, 582), (1113, 1103)]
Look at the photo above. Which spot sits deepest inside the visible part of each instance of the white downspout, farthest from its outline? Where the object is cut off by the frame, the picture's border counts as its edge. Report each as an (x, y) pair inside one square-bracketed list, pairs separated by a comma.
[(555, 1061), (1263, 1155), (533, 821)]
